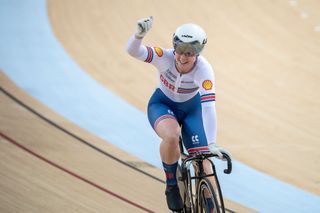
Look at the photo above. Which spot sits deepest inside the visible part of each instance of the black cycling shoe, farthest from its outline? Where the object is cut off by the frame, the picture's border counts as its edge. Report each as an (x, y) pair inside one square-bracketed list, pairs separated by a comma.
[(174, 200)]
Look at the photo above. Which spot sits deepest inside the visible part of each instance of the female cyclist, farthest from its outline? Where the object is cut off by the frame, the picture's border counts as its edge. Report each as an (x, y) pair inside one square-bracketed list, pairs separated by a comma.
[(184, 102)]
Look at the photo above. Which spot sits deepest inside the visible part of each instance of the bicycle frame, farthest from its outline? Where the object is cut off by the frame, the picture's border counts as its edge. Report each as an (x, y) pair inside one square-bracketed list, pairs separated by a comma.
[(186, 176)]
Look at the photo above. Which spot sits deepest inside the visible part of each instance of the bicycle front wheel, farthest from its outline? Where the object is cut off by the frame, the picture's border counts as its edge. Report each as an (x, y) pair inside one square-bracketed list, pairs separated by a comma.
[(206, 198)]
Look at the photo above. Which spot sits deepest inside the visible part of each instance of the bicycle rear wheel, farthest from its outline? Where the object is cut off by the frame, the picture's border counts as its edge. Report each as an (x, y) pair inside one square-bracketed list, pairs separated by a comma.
[(206, 198)]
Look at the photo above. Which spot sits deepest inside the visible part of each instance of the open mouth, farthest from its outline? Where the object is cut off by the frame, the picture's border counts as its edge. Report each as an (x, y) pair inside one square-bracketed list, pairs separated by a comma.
[(183, 63)]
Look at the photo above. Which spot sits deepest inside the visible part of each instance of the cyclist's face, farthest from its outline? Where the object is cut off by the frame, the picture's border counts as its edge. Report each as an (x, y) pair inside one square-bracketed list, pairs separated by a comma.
[(185, 62)]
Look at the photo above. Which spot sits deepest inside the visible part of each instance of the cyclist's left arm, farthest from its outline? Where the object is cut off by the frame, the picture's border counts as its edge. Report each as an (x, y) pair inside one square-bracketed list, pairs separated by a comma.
[(206, 81)]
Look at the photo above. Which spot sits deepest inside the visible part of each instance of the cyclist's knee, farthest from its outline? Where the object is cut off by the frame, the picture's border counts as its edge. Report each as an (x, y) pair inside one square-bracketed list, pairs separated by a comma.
[(171, 138), (169, 131)]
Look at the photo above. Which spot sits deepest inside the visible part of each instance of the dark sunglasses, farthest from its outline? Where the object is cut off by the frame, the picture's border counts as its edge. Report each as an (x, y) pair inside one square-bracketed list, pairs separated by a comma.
[(186, 49)]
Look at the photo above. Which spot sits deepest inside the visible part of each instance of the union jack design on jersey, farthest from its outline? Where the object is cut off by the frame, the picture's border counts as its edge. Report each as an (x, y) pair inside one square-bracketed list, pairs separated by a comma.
[(208, 97), (187, 90), (150, 55)]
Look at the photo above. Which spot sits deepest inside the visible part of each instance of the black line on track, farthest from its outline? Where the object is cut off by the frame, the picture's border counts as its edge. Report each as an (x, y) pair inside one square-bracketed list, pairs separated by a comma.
[(77, 137), (82, 140)]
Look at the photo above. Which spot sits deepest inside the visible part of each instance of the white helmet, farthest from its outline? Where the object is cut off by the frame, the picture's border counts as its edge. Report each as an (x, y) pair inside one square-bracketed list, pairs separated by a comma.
[(190, 35)]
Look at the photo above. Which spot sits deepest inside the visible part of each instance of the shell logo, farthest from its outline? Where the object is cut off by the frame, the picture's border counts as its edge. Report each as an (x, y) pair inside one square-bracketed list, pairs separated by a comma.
[(207, 84), (159, 51)]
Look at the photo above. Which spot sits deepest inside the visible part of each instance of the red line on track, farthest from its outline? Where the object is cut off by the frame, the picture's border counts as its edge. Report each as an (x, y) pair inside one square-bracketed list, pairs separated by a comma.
[(74, 174)]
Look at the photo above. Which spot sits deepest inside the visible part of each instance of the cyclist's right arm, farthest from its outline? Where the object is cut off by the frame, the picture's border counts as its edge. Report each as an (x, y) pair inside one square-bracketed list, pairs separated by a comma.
[(136, 49), (155, 55), (159, 57)]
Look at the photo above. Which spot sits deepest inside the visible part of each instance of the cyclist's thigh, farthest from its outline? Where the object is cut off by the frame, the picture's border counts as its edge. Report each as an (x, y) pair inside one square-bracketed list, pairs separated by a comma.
[(159, 108), (162, 120), (193, 133), (158, 112)]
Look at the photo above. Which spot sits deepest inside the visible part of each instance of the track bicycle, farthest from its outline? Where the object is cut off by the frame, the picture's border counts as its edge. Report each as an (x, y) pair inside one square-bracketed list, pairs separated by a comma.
[(197, 192)]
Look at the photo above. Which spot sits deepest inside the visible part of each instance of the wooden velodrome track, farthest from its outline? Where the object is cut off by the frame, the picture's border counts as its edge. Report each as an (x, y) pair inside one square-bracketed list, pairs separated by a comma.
[(266, 59)]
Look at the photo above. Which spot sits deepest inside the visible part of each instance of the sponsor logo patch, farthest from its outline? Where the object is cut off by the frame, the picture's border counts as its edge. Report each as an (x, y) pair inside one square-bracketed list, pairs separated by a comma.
[(207, 84), (159, 51)]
